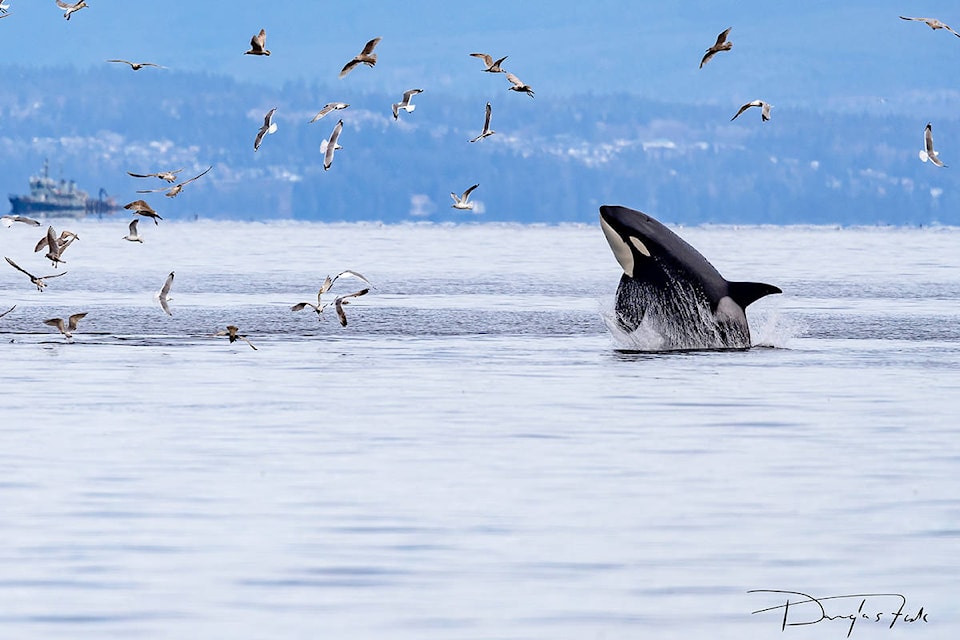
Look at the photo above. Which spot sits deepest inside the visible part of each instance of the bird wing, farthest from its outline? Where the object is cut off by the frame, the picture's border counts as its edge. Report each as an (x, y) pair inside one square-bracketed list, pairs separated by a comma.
[(56, 322), (199, 175), (486, 119), (165, 290), (742, 109), (268, 117), (332, 145), (351, 273), (300, 306), (487, 58), (706, 57), (41, 244), (18, 267), (722, 37), (514, 80), (466, 194), (56, 275), (259, 41), (141, 205), (928, 140), (338, 303), (8, 311), (74, 320), (133, 226), (52, 245), (369, 47), (142, 175), (123, 61), (327, 108), (327, 283), (947, 27), (64, 5), (409, 94), (347, 68)]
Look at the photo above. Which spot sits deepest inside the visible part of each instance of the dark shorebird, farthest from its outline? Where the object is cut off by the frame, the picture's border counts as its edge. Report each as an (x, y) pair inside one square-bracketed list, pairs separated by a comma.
[(461, 202), (268, 126), (764, 109), (174, 191), (168, 176), (492, 66), (258, 45), (66, 327), (327, 108), (405, 103), (487, 131), (71, 7), (367, 57), (328, 146), (928, 152), (40, 281), (720, 45), (234, 336), (518, 85), (933, 23), (133, 236), (164, 294), (8, 220), (141, 208), (136, 66)]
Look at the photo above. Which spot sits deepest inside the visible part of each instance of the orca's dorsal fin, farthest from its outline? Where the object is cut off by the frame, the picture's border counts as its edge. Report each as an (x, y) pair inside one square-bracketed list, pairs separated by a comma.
[(745, 293)]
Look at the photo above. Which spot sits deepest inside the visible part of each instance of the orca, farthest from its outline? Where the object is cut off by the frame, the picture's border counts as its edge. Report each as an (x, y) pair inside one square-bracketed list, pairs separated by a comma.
[(670, 288)]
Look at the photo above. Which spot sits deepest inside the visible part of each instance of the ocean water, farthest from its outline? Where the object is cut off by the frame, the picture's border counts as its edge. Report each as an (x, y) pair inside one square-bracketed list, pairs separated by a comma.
[(474, 455)]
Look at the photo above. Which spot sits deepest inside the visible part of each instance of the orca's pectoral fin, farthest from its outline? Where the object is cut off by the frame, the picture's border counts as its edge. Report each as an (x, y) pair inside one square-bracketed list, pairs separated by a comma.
[(745, 293)]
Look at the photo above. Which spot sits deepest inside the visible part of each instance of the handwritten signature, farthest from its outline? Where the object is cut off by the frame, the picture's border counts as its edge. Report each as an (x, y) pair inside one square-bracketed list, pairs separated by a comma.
[(799, 609)]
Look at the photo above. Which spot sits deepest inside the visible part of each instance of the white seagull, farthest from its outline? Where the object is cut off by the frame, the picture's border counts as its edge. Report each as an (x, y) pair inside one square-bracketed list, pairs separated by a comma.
[(461, 202), (169, 176), (405, 103), (518, 85), (174, 191), (487, 131), (327, 147), (933, 23), (136, 66), (164, 294), (269, 126), (764, 109), (71, 8), (927, 153), (8, 221), (133, 236), (327, 108)]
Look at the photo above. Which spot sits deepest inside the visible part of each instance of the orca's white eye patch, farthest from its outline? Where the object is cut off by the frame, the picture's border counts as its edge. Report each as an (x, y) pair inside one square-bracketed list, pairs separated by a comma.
[(620, 248), (638, 244)]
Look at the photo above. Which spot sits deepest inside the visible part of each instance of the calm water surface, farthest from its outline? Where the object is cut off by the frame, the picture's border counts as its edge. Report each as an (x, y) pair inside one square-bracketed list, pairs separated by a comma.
[(473, 456)]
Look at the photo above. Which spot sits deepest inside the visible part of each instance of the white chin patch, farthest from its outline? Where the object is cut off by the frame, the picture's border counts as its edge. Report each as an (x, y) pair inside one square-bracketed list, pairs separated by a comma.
[(621, 250), (642, 248)]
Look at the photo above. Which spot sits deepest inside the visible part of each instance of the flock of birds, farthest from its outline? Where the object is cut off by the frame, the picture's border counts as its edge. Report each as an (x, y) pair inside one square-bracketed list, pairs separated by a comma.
[(56, 245)]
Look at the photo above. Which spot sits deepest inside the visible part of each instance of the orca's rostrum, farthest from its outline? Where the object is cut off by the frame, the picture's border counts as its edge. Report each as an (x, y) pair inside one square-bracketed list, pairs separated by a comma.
[(671, 289)]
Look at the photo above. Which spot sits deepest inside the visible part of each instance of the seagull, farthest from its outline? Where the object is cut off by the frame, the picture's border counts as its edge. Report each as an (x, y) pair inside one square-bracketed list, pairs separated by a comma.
[(269, 126), (405, 103), (492, 67), (487, 131), (141, 208), (764, 111), (327, 147), (40, 281), (460, 202), (174, 191), (136, 66), (71, 8), (9, 220), (933, 23), (720, 45), (234, 336), (3, 9), (66, 328), (169, 176), (367, 57), (65, 240), (342, 300), (8, 311), (928, 153), (327, 284), (53, 247), (518, 85), (327, 108), (164, 294), (258, 45), (133, 236)]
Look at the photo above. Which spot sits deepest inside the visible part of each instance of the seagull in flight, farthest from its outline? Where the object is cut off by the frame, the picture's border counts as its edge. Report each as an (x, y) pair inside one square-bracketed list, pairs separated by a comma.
[(164, 294), (133, 236), (327, 147), (325, 287), (487, 131), (136, 66), (258, 44), (40, 281), (461, 202), (405, 103), (8, 221), (234, 336), (928, 153), (764, 109), (367, 57), (141, 208), (269, 126), (342, 300), (720, 45), (518, 85), (169, 176), (174, 191), (492, 66), (933, 23), (327, 108), (66, 327), (71, 8)]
